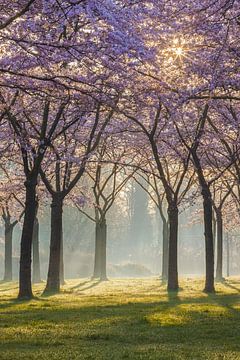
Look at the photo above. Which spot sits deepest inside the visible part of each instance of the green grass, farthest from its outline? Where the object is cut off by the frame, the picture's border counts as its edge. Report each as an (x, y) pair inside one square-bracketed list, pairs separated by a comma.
[(122, 319)]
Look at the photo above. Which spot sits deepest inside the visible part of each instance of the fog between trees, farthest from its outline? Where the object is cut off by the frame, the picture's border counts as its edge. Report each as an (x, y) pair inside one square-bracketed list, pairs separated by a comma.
[(134, 243)]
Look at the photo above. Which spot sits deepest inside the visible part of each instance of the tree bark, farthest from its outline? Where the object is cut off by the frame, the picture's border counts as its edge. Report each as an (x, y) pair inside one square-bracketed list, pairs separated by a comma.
[(53, 279), (8, 252), (36, 277), (219, 269), (165, 250), (62, 281), (100, 264), (173, 244), (208, 228), (208, 233), (103, 273), (25, 283), (97, 255), (228, 255), (214, 233)]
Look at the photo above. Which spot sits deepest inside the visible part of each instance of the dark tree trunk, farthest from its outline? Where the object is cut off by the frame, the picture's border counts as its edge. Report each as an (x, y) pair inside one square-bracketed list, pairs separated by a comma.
[(173, 247), (62, 281), (228, 255), (103, 271), (208, 233), (25, 283), (53, 279), (219, 269), (165, 252), (100, 265), (8, 252), (97, 256), (36, 277), (208, 222), (214, 233)]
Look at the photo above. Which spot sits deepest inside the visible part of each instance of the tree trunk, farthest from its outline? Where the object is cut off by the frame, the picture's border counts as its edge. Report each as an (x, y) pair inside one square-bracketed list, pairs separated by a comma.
[(228, 255), (208, 233), (25, 283), (103, 271), (53, 279), (97, 256), (100, 265), (8, 252), (165, 250), (36, 278), (62, 281), (208, 222), (173, 245), (214, 233), (219, 269)]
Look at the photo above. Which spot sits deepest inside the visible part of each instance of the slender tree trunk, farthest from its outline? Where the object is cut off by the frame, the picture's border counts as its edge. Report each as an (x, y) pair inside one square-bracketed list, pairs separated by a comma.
[(25, 283), (208, 233), (62, 281), (219, 269), (214, 233), (97, 256), (173, 247), (208, 222), (8, 252), (103, 274), (36, 277), (165, 250), (100, 264), (53, 279), (228, 255)]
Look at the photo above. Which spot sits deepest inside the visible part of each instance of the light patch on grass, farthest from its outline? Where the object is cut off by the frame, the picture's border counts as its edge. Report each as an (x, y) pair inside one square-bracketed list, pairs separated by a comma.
[(167, 319), (122, 319), (212, 310)]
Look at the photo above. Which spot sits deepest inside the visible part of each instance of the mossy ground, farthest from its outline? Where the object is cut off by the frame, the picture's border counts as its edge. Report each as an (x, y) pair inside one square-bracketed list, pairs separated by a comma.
[(122, 319)]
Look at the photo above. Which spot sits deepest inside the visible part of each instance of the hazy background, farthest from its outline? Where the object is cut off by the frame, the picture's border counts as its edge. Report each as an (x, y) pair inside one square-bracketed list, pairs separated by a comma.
[(134, 241)]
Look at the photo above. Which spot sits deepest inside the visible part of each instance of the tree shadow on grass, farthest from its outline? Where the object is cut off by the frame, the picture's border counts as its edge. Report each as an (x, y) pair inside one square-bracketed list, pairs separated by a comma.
[(173, 295), (231, 286), (92, 283), (8, 303), (8, 289), (73, 290), (144, 329)]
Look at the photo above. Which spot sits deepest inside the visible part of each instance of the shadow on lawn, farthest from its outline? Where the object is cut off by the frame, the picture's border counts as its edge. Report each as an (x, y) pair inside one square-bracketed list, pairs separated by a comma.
[(197, 327), (6, 290), (90, 282), (173, 295), (231, 286), (137, 326), (8, 303), (134, 311)]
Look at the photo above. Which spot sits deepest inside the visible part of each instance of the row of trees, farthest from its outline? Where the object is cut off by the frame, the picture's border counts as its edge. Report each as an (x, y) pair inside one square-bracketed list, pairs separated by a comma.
[(116, 90)]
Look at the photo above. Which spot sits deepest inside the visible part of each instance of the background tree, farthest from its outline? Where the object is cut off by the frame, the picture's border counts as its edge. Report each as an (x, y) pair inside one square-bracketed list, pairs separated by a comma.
[(108, 177), (12, 210)]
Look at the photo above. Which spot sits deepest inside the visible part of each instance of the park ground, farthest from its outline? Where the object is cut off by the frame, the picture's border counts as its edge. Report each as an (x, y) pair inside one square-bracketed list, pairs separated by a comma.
[(122, 319)]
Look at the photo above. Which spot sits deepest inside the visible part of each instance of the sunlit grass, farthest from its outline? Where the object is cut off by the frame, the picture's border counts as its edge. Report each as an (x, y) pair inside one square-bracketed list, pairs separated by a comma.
[(122, 319)]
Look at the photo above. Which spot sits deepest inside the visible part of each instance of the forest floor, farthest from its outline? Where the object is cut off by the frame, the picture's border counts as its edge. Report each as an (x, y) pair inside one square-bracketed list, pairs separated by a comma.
[(122, 319)]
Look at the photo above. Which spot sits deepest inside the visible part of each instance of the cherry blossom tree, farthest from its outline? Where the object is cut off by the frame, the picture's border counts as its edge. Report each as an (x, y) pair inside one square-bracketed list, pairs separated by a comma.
[(167, 75), (12, 210), (108, 176), (220, 196), (64, 169)]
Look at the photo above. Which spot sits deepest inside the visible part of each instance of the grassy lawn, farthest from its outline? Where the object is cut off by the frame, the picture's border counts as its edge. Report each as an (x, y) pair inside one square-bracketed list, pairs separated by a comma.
[(122, 319)]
